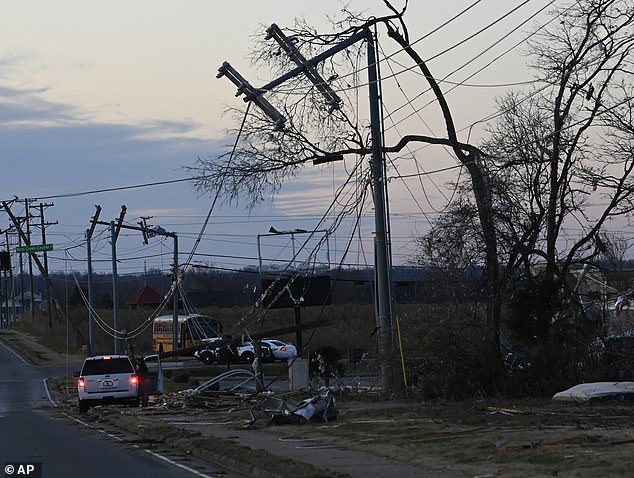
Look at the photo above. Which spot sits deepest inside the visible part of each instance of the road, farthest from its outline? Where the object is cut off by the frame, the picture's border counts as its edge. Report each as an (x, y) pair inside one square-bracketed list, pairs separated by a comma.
[(32, 430)]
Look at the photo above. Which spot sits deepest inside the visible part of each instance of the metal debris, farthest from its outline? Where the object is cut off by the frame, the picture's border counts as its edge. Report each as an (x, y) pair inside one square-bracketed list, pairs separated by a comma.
[(281, 411)]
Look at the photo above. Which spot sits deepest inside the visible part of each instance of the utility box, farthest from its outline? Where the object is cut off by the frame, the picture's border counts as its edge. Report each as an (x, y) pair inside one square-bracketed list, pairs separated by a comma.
[(298, 375)]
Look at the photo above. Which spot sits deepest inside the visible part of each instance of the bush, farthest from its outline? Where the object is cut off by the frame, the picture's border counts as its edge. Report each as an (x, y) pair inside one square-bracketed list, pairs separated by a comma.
[(452, 363)]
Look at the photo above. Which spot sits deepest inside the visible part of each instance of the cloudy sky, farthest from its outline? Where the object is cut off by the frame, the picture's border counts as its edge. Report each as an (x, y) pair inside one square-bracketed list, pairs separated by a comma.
[(97, 97)]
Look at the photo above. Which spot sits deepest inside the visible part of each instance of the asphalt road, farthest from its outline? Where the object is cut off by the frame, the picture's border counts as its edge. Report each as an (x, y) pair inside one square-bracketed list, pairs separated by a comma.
[(32, 431)]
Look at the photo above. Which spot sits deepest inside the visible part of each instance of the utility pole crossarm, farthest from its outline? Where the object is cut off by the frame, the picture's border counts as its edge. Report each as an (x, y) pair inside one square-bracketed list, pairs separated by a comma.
[(309, 70), (359, 36), (251, 94), (139, 228), (304, 66)]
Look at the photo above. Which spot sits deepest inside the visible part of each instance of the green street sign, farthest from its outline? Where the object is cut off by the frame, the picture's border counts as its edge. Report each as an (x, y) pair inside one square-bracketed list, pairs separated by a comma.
[(35, 248)]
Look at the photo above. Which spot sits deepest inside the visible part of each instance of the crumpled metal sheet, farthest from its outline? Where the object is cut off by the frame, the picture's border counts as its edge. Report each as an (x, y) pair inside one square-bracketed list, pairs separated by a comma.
[(281, 411)]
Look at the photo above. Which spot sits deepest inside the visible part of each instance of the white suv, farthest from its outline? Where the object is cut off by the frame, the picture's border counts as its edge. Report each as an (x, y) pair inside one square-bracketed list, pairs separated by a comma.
[(106, 379)]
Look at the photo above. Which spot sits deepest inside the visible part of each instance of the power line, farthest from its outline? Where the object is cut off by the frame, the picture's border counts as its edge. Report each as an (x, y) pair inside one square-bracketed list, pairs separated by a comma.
[(428, 34), (303, 91), (119, 188), (504, 53)]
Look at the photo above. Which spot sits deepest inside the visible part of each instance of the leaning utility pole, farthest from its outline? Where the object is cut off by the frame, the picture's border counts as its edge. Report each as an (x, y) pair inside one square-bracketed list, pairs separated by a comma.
[(32, 255), (21, 267), (382, 261), (91, 301), (28, 242), (147, 232), (48, 289), (115, 228)]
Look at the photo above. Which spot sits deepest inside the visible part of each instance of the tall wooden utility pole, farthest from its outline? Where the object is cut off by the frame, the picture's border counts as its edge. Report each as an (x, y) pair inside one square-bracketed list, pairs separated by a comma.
[(43, 225), (27, 214), (382, 255), (115, 228), (382, 259), (147, 232), (91, 300)]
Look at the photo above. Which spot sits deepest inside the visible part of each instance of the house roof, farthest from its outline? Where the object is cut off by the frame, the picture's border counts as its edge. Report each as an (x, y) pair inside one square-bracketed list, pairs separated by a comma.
[(145, 295)]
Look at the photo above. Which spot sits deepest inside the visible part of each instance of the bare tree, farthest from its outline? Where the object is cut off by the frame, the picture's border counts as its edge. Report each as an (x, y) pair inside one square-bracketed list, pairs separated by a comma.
[(561, 155)]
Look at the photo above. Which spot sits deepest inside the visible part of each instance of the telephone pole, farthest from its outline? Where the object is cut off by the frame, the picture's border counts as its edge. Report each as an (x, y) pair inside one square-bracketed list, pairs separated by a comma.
[(147, 232), (7, 266), (43, 226), (91, 301), (27, 215), (31, 250), (21, 266), (382, 256), (115, 229), (382, 259)]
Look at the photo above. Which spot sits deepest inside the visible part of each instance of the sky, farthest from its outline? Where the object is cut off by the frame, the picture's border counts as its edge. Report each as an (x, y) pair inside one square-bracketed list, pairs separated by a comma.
[(98, 99)]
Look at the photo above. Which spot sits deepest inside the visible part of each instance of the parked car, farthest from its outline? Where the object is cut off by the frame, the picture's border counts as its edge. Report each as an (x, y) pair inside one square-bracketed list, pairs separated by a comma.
[(244, 352), (107, 379), (209, 355), (281, 350)]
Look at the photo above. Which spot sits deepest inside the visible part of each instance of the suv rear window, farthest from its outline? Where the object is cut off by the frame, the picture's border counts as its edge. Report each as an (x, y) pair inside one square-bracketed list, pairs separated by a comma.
[(102, 367)]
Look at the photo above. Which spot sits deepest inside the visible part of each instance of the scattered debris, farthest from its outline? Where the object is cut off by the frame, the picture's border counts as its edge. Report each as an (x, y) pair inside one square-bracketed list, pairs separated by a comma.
[(597, 391), (280, 411), (250, 376), (503, 411)]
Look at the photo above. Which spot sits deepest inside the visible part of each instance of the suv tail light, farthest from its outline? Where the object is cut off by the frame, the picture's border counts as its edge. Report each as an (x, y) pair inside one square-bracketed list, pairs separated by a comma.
[(81, 382), (134, 379)]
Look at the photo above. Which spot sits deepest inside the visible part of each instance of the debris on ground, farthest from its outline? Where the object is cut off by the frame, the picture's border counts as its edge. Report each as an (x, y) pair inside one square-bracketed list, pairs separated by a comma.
[(214, 382), (597, 391), (280, 411)]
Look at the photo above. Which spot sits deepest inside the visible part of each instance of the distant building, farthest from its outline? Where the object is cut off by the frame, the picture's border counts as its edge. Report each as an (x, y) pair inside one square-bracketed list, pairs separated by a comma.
[(146, 296), (18, 303)]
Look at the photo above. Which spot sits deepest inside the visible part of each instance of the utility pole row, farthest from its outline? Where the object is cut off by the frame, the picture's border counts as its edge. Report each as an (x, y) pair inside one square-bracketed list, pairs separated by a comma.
[(115, 229)]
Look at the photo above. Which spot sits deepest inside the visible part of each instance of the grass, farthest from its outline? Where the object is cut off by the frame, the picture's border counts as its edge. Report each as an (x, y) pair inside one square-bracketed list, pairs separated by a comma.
[(55, 339)]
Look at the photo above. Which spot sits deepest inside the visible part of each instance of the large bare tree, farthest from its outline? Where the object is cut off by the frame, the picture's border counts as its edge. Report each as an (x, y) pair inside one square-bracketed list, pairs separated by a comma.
[(561, 155)]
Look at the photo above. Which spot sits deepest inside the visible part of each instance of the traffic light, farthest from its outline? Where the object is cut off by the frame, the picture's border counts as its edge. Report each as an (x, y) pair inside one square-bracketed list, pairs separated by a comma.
[(5, 261)]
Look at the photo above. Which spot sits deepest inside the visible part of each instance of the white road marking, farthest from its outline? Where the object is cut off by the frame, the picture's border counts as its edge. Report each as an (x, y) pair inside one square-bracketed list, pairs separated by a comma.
[(16, 354), (158, 455), (48, 394), (88, 425), (191, 470)]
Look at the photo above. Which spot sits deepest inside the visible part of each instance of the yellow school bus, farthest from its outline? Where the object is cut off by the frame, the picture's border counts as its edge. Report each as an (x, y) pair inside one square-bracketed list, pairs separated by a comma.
[(192, 329)]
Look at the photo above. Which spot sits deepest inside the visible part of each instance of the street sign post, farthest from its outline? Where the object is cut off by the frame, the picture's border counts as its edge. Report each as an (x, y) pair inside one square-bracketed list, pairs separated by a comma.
[(34, 248)]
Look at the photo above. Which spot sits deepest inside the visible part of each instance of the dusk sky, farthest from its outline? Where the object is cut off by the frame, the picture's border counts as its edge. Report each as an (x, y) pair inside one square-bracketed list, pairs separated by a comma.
[(106, 95)]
